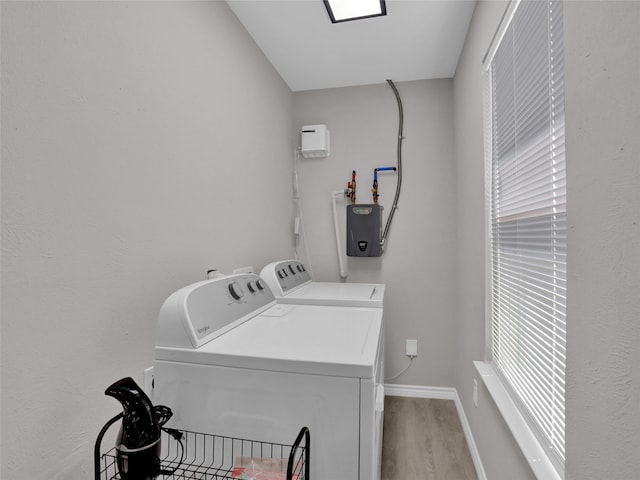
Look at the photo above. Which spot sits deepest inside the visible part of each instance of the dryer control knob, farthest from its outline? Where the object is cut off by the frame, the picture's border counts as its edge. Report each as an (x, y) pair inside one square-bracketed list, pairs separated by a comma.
[(259, 284), (291, 269), (236, 291), (251, 288)]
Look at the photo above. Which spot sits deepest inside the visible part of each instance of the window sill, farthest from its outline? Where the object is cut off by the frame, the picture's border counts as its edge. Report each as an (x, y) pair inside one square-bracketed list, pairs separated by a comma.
[(533, 451)]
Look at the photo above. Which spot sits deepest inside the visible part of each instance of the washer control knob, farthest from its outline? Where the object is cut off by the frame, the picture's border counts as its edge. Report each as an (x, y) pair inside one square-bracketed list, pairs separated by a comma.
[(259, 284), (236, 291), (280, 274), (291, 269), (251, 288)]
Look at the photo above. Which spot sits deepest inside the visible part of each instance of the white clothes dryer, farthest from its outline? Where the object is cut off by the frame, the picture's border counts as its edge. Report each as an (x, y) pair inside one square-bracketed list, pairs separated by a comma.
[(231, 361), (290, 282)]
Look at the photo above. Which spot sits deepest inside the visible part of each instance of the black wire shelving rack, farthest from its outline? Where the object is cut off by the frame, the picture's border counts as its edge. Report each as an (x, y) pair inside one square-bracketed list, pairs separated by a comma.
[(203, 456)]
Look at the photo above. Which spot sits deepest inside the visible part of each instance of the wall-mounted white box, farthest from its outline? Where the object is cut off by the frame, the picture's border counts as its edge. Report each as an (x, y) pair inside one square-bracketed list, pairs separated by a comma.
[(315, 141)]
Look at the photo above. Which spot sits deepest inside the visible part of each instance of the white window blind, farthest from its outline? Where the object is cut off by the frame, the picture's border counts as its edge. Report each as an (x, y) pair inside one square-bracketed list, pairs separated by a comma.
[(527, 214)]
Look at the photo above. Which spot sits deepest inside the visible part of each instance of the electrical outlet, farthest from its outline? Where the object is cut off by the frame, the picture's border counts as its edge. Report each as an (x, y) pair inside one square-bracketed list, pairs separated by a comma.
[(147, 377), (475, 392), (412, 348)]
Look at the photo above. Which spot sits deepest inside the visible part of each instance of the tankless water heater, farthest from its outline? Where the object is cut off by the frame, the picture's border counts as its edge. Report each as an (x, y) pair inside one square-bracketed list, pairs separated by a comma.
[(364, 230)]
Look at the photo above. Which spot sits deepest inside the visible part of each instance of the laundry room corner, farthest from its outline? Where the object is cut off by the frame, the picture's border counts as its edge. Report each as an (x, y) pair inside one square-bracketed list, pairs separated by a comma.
[(417, 263)]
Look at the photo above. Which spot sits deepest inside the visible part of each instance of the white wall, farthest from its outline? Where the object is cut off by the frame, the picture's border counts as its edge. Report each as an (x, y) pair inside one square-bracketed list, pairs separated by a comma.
[(418, 264), (142, 143), (603, 190), (602, 75)]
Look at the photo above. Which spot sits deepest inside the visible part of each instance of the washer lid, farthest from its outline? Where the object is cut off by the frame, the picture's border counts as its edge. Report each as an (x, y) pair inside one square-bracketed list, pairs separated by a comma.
[(290, 282), (306, 339), (339, 294)]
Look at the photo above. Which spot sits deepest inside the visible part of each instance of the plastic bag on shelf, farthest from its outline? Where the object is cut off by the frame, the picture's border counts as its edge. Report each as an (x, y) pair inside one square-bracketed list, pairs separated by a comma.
[(253, 468)]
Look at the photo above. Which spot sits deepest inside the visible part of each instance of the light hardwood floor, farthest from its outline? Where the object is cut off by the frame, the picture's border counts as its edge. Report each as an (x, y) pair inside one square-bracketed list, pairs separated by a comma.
[(423, 440)]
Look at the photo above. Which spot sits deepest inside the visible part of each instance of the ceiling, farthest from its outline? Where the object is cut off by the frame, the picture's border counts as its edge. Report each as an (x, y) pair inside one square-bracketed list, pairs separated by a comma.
[(417, 39)]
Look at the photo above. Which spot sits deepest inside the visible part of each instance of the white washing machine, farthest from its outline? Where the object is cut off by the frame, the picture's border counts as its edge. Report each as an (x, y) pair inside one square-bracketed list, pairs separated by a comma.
[(231, 361), (290, 282)]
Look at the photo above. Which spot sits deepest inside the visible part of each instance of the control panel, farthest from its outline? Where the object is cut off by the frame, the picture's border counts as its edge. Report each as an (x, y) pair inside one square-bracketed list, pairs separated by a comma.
[(236, 289), (285, 276), (198, 313)]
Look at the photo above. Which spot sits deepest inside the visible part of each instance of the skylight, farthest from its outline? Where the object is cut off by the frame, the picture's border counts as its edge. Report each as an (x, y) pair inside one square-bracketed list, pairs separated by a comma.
[(345, 10)]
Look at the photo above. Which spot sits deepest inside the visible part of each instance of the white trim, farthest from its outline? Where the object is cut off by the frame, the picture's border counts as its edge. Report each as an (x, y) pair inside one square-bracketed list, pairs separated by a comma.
[(416, 391), (488, 185), (535, 454), (442, 393), (473, 450), (499, 35)]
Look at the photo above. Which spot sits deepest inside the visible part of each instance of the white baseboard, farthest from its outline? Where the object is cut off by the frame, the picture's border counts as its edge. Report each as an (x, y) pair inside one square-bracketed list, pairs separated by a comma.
[(442, 393), (416, 391)]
